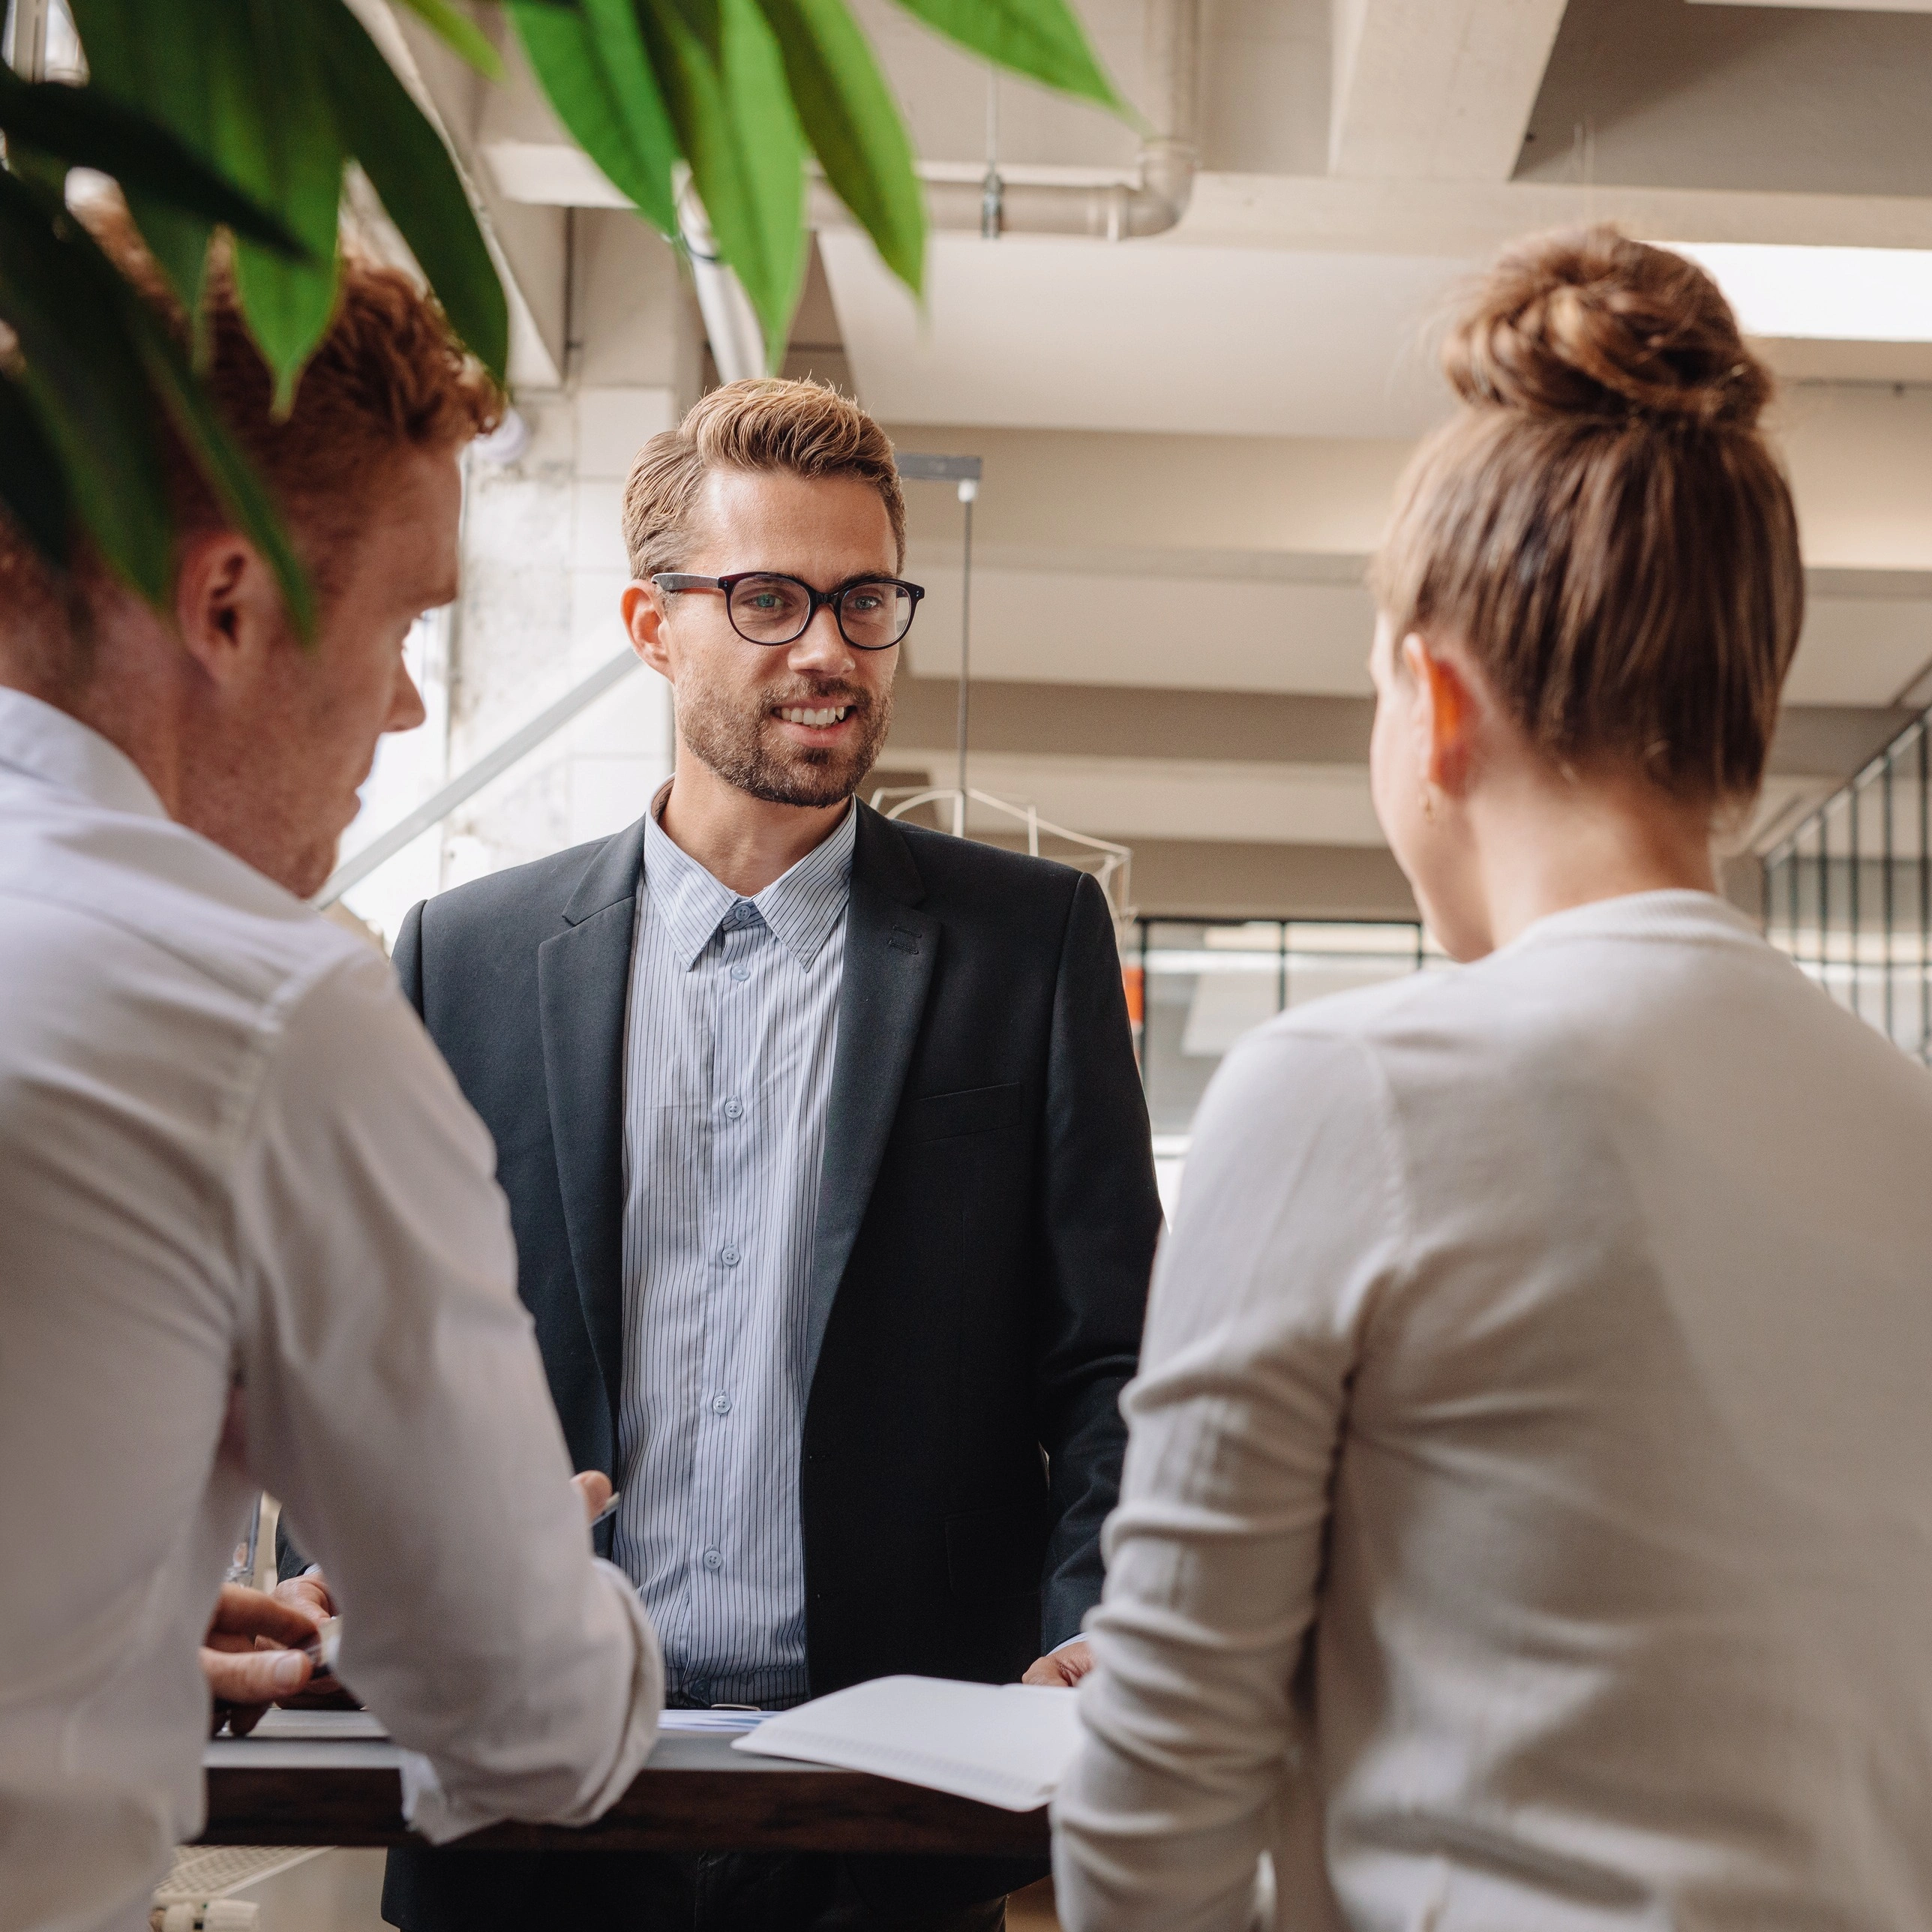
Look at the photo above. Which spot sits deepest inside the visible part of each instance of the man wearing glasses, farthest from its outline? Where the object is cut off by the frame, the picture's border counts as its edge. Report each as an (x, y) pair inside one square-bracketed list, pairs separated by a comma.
[(829, 1171)]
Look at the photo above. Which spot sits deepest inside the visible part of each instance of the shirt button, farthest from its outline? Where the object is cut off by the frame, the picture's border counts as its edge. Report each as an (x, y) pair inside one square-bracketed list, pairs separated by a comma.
[(733, 1108), (729, 1256), (714, 1559), (721, 1404), (741, 973)]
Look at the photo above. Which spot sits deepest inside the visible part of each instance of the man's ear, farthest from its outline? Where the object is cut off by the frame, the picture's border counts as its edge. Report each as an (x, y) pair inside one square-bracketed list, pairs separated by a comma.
[(1446, 714), (228, 607), (644, 613)]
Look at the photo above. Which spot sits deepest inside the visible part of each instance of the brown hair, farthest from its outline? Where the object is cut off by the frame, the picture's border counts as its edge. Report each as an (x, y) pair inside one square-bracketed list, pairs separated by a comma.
[(389, 374), (803, 429), (1602, 524)]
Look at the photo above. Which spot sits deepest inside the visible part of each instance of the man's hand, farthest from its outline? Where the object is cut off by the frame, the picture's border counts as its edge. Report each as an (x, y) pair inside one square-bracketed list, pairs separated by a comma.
[(310, 1593), (1067, 1665), (246, 1656), (594, 1487)]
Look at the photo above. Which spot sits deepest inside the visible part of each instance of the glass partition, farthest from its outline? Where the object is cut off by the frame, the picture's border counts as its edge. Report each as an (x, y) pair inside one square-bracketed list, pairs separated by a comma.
[(1203, 983), (1849, 894)]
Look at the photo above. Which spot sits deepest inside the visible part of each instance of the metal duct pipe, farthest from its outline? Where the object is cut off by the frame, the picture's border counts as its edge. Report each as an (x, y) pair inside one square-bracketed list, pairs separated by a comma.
[(737, 342), (1168, 160)]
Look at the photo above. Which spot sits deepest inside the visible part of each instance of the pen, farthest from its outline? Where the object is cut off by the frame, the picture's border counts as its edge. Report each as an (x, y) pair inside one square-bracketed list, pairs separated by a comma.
[(609, 1509)]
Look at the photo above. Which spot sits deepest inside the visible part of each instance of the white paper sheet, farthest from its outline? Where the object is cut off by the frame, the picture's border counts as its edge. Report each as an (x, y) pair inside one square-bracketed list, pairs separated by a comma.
[(713, 1721), (1006, 1745)]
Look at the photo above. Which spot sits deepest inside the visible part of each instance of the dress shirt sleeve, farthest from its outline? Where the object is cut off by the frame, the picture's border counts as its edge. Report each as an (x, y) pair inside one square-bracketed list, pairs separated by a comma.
[(1289, 1220), (1100, 1212), (397, 1403)]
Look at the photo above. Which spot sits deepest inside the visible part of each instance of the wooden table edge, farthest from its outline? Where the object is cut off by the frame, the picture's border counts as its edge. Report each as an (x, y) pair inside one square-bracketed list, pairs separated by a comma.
[(342, 1795)]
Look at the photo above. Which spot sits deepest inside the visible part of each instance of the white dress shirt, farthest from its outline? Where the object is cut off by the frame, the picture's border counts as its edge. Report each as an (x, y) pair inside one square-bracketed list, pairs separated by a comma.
[(1527, 1524), (229, 1156), (731, 1030)]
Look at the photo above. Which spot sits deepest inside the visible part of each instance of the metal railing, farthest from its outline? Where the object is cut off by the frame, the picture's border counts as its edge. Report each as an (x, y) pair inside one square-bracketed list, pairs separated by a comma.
[(1849, 893)]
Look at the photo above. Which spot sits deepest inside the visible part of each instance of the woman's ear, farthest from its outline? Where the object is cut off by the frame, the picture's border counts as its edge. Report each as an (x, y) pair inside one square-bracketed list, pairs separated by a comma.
[(1446, 714)]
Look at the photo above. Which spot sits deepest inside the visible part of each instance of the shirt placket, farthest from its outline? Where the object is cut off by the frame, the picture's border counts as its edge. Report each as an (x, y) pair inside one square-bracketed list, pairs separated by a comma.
[(733, 1258)]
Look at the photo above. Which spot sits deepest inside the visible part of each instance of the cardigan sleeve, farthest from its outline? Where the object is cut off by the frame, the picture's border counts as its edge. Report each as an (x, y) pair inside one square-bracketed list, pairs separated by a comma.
[(1290, 1220)]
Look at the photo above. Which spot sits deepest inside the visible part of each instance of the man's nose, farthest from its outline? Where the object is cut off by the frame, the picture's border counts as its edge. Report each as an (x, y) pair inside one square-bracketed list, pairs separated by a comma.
[(406, 709), (822, 647)]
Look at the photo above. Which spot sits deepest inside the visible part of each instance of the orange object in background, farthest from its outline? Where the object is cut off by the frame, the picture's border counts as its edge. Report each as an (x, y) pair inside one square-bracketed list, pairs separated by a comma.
[(1134, 979)]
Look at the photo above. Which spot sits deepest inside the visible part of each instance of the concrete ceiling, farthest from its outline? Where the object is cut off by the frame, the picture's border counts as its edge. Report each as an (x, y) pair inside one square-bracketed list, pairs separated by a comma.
[(1034, 332)]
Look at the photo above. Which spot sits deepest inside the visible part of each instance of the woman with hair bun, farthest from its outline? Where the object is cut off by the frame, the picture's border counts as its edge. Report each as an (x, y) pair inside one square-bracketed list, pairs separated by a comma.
[(1527, 1524)]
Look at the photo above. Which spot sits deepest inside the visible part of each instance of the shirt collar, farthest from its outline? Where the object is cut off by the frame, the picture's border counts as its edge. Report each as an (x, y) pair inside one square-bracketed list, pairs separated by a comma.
[(47, 744), (800, 907)]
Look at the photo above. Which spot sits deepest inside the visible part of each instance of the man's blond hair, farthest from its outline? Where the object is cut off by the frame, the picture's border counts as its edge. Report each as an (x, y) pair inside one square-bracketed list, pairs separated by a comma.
[(799, 429)]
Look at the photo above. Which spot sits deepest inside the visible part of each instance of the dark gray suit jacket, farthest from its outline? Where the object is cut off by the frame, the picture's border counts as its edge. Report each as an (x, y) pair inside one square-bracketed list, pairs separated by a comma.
[(986, 1225), (986, 1222)]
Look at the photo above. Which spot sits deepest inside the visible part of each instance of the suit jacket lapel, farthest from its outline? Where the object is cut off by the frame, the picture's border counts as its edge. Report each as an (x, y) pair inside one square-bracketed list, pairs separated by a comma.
[(583, 977), (890, 951)]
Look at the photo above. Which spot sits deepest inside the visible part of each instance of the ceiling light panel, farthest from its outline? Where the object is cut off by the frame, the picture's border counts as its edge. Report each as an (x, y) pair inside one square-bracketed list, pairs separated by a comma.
[(1837, 295)]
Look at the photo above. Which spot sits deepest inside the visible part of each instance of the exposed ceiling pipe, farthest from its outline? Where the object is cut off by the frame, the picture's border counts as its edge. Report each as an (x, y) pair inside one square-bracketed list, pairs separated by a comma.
[(1150, 206), (1168, 160), (737, 342)]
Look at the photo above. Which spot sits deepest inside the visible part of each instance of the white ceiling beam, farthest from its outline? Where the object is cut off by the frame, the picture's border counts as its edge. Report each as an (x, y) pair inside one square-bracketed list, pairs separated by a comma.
[(1831, 6), (1473, 218), (1438, 217), (1436, 90)]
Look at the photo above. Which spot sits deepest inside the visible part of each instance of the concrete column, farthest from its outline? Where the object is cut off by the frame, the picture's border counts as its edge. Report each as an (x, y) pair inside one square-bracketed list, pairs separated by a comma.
[(544, 566)]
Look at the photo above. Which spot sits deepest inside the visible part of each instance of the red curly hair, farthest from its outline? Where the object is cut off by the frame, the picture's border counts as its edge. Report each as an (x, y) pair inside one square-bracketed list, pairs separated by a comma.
[(389, 375)]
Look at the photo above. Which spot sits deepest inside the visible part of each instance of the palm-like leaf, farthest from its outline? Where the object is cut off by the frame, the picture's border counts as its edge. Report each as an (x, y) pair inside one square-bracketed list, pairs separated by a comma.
[(1041, 39)]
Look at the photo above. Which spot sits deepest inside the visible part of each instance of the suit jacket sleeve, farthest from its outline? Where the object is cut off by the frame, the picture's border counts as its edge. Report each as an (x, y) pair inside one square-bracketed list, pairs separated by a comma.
[(407, 956), (1102, 1215)]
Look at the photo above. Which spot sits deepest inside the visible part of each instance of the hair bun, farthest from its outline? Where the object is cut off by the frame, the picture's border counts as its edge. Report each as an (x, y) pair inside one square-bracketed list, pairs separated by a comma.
[(1588, 323)]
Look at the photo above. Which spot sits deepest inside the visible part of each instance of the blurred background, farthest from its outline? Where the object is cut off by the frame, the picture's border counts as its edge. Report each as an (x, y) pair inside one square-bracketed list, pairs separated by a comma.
[(1188, 439)]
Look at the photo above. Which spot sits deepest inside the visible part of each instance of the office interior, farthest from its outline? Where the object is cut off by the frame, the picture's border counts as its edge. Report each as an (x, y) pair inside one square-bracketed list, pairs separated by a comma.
[(1186, 442)]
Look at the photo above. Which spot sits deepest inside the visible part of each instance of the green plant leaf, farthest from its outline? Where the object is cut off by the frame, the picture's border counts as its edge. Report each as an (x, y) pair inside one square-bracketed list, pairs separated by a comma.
[(170, 385), (33, 485), (410, 169), (735, 123), (459, 32), (702, 19), (850, 117), (275, 128), (86, 386), (1042, 39), (88, 129), (100, 366), (153, 65), (237, 81), (219, 457), (591, 61)]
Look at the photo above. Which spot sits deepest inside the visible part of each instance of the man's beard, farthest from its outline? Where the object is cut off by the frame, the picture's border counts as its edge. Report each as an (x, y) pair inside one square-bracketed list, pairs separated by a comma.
[(738, 739)]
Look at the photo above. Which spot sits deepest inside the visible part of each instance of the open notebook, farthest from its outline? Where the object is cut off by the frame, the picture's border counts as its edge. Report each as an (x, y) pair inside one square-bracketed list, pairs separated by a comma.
[(1003, 1744)]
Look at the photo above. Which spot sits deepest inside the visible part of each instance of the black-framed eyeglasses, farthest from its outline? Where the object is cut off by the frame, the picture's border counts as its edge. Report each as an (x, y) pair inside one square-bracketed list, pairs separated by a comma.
[(872, 613)]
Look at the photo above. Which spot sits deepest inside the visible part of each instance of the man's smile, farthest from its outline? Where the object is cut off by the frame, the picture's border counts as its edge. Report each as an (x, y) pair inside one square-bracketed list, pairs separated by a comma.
[(799, 714)]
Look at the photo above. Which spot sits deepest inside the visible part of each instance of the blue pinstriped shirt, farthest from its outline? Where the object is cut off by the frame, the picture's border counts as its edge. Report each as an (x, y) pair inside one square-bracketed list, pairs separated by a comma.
[(732, 1020)]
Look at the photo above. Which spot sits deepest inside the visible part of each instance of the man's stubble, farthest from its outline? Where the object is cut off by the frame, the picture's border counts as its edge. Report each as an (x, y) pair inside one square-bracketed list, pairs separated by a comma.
[(740, 741)]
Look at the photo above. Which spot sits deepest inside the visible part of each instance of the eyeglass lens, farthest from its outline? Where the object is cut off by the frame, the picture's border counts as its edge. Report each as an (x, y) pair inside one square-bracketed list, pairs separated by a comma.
[(776, 611)]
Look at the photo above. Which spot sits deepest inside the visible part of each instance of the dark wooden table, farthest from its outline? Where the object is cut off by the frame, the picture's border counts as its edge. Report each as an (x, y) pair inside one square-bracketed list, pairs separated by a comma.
[(695, 1793)]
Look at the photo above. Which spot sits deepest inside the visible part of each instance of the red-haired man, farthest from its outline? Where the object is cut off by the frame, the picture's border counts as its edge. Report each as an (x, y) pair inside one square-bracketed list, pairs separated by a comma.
[(248, 1227)]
